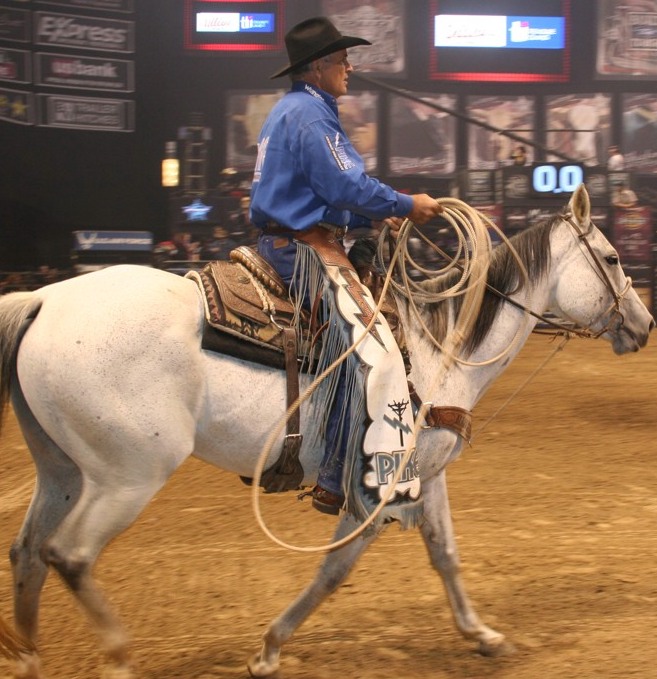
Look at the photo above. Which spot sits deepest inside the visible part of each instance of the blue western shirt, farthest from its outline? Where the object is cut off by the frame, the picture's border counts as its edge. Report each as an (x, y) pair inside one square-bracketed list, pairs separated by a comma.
[(307, 170)]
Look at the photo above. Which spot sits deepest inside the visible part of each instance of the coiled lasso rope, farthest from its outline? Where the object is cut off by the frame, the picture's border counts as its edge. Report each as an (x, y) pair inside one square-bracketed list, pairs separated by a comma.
[(475, 249), (473, 235)]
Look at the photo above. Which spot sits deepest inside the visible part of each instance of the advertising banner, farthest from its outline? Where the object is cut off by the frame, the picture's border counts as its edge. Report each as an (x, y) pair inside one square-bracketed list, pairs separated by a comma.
[(87, 241), (632, 234), (579, 126), (14, 24), (382, 22), (15, 65), (83, 32), (84, 73), (420, 137), (86, 113)]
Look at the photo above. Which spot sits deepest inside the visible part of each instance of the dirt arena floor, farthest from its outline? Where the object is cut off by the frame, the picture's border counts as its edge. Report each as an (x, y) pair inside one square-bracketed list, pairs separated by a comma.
[(555, 508)]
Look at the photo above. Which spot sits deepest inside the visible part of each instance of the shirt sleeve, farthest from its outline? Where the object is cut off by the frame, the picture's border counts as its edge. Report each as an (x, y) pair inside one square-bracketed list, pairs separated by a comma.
[(335, 171)]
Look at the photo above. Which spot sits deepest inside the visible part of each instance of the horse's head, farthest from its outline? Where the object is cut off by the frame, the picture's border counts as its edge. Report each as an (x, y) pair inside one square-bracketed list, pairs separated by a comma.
[(592, 289)]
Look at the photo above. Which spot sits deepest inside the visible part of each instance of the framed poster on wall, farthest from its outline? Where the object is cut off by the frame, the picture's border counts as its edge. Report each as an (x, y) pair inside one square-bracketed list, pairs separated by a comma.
[(359, 118), (489, 150), (421, 139), (639, 132), (382, 22), (245, 113), (578, 126), (626, 40)]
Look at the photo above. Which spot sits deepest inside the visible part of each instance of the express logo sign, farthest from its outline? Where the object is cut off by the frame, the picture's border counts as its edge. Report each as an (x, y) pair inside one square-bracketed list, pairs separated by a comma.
[(84, 32)]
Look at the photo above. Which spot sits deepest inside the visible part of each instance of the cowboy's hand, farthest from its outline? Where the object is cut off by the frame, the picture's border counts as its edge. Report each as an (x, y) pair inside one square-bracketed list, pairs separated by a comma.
[(424, 209), (393, 225)]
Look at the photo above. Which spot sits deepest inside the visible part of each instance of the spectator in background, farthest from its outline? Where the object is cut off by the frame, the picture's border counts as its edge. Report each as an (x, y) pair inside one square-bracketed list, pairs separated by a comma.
[(185, 248), (13, 282), (241, 225), (615, 160), (218, 246), (229, 182), (46, 275), (624, 197), (519, 155)]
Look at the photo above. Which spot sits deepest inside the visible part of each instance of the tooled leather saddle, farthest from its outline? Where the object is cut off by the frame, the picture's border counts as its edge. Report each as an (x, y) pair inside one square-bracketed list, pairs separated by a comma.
[(247, 308)]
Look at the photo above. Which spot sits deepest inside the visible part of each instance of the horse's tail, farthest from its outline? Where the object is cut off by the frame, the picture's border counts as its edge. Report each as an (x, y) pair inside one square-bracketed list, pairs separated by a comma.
[(17, 310)]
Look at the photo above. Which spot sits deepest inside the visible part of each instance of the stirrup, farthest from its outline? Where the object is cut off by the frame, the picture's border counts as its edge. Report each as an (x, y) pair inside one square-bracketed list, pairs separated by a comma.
[(324, 500)]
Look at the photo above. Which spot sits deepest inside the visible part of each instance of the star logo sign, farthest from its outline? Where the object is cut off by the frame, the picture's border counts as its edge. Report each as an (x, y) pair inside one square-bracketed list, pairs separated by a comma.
[(197, 211), (19, 109)]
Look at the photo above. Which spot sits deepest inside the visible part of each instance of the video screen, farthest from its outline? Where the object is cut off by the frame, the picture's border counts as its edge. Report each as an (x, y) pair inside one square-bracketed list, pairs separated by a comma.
[(515, 41), (233, 25)]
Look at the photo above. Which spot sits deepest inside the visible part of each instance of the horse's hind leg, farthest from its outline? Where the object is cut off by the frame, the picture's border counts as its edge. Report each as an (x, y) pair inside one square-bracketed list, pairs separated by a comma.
[(438, 533), (57, 490), (102, 512), (333, 571)]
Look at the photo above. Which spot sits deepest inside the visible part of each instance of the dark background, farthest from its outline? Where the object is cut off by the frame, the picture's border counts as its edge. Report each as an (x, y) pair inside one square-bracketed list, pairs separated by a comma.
[(55, 181)]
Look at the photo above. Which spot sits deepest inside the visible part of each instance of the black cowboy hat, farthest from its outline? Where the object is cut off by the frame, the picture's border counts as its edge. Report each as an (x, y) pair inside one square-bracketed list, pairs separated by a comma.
[(312, 39)]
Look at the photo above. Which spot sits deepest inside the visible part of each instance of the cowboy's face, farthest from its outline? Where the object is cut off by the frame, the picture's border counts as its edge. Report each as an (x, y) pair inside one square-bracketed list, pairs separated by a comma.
[(333, 72)]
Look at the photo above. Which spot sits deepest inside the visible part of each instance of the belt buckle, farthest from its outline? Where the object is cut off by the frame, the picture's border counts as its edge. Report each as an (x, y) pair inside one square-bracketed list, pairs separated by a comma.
[(338, 231)]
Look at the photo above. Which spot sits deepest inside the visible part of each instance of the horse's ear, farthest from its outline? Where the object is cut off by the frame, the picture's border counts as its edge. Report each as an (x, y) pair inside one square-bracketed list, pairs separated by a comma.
[(580, 205)]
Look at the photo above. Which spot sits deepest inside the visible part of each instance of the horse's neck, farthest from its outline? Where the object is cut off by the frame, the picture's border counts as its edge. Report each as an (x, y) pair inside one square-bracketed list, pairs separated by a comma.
[(447, 381)]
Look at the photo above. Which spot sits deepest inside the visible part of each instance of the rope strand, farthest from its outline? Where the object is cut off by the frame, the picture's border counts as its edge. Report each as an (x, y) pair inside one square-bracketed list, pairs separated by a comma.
[(471, 229)]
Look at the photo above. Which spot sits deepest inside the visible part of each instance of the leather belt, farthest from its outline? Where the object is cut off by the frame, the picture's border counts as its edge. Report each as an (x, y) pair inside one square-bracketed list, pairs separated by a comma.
[(275, 229)]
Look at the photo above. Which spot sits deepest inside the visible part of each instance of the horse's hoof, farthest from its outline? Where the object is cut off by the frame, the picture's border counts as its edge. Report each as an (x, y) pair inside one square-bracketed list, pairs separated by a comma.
[(259, 668), (496, 649), (28, 667)]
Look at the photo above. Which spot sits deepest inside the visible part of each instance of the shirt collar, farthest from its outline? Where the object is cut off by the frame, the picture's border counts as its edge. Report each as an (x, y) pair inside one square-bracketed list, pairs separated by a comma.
[(301, 86)]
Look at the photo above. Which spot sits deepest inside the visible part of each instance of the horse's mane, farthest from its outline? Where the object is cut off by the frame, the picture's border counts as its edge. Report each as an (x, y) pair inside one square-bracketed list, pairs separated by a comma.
[(533, 249)]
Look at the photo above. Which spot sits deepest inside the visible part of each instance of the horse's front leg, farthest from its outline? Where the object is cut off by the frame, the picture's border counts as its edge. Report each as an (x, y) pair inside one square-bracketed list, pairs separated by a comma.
[(333, 571), (438, 533)]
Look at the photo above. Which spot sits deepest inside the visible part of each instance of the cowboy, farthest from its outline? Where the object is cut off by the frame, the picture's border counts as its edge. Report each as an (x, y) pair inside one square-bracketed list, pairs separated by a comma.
[(309, 186)]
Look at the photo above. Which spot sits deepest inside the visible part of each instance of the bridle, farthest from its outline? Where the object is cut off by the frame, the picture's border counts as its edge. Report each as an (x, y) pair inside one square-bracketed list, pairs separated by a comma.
[(613, 310)]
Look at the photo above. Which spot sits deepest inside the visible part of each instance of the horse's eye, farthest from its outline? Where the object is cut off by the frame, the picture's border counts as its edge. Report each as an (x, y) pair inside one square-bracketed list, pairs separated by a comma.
[(612, 260)]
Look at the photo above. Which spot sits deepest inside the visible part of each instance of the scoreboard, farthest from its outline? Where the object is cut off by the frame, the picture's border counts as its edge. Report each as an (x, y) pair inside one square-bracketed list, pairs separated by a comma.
[(552, 184), (536, 185)]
